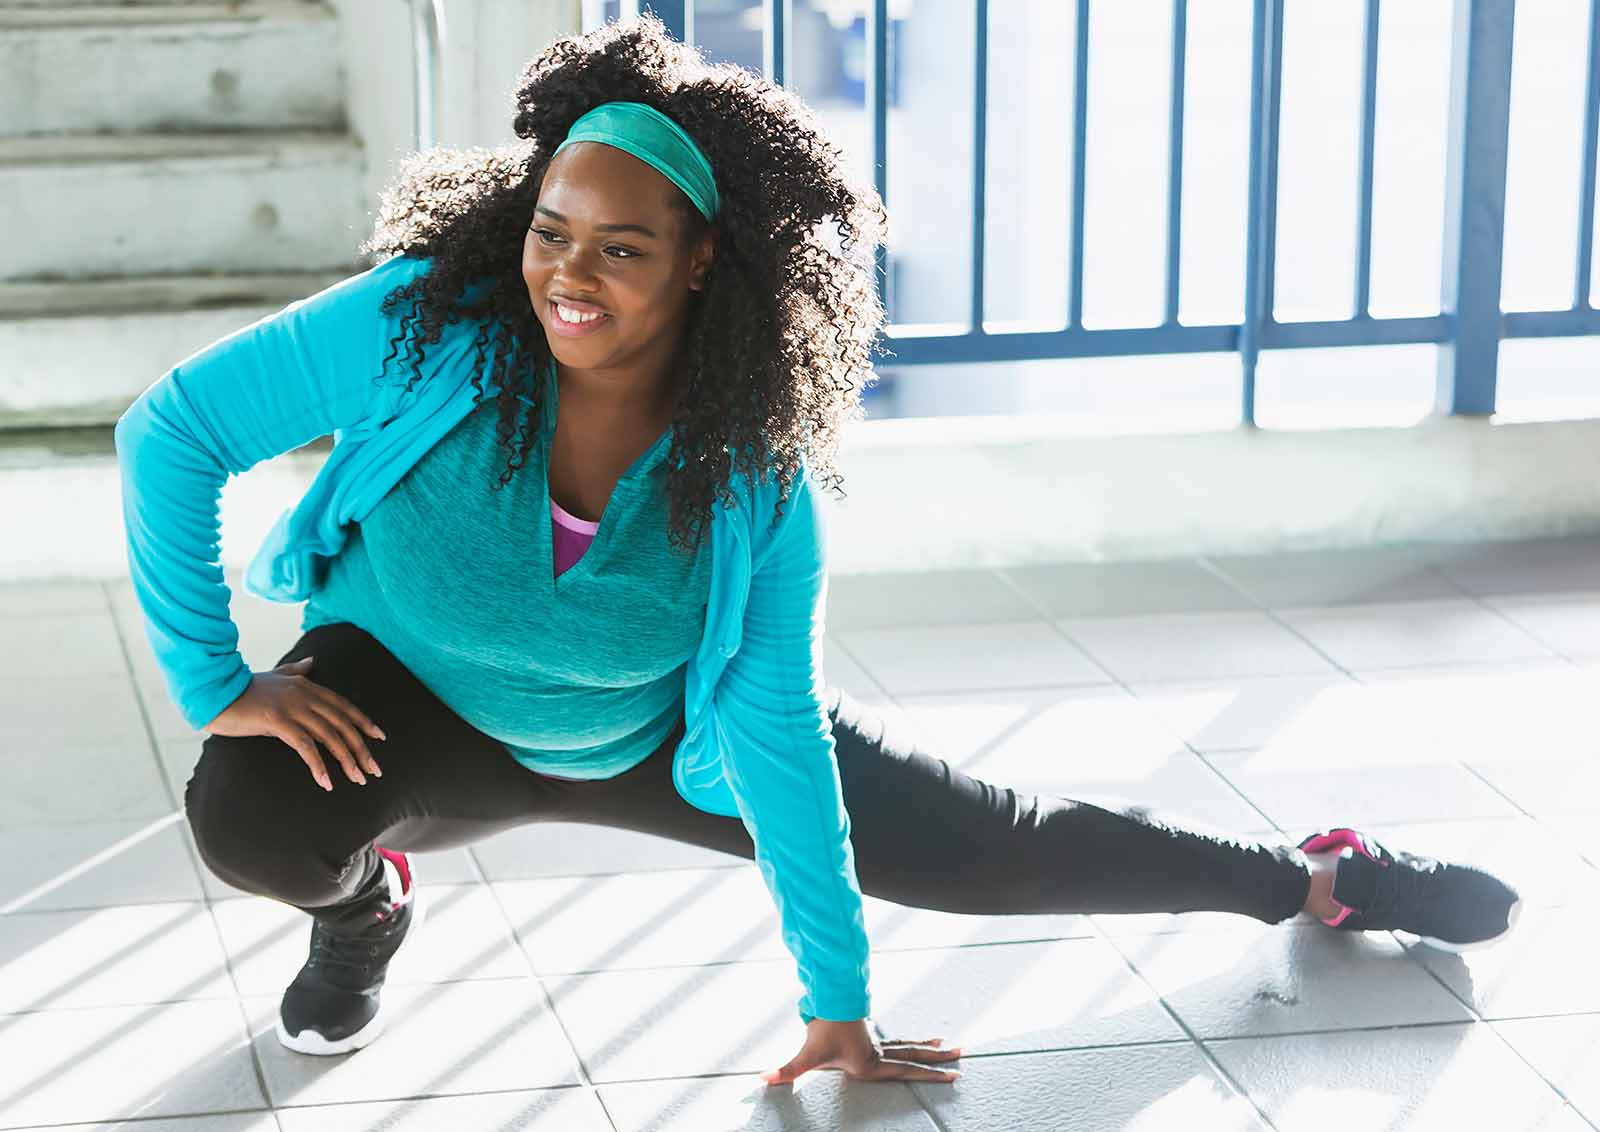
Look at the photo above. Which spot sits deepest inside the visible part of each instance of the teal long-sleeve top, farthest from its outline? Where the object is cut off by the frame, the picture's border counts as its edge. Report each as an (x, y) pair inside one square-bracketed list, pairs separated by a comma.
[(758, 743), (578, 673)]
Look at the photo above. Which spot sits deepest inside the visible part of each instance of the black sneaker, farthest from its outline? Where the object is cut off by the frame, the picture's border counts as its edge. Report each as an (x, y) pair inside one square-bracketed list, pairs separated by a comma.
[(332, 1005), (1448, 906)]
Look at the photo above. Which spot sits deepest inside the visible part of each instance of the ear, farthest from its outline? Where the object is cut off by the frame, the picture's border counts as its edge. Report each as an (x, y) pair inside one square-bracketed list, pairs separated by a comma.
[(700, 262)]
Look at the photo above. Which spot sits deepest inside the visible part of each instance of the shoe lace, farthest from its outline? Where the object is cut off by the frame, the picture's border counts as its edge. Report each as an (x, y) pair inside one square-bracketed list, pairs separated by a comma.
[(356, 953), (1418, 894)]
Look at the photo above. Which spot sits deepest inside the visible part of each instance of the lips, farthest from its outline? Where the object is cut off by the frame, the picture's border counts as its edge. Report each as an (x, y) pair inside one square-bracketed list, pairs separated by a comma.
[(578, 305), (572, 329)]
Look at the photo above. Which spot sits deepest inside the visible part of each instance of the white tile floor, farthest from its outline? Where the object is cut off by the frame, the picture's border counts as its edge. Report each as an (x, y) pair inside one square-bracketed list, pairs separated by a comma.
[(1446, 697)]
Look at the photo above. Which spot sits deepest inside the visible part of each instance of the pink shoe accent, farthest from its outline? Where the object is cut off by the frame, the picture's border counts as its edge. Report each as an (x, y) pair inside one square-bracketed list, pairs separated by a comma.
[(403, 867), (1341, 839), (1338, 838)]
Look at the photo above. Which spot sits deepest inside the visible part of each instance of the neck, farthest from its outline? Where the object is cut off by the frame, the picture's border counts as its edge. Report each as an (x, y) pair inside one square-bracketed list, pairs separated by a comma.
[(614, 397)]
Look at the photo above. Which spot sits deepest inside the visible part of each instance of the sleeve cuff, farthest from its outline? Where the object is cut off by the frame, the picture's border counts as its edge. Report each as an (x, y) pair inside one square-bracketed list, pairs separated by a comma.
[(850, 1006), (199, 709)]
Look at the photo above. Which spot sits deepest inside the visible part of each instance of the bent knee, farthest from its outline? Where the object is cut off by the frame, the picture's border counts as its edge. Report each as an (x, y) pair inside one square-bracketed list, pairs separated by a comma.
[(240, 822), (214, 800)]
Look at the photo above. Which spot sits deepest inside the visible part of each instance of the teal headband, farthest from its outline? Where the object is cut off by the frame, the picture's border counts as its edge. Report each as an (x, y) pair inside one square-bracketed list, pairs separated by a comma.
[(655, 139)]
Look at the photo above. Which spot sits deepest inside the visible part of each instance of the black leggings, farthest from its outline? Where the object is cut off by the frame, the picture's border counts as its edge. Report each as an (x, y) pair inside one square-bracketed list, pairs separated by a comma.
[(924, 834)]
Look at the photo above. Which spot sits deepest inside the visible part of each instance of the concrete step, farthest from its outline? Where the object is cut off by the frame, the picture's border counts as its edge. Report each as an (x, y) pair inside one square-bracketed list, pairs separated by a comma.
[(266, 64), (77, 353), (79, 206), (62, 504)]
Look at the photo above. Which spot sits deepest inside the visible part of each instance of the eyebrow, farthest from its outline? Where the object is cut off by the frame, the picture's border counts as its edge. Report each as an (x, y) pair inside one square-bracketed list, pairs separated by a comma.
[(603, 227)]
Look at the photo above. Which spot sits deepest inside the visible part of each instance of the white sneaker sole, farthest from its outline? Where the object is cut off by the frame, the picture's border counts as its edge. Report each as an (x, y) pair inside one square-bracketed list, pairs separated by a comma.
[(309, 1041), (1458, 948)]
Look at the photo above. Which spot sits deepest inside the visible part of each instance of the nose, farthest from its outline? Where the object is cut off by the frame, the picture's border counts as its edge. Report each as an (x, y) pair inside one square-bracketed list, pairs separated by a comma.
[(574, 271)]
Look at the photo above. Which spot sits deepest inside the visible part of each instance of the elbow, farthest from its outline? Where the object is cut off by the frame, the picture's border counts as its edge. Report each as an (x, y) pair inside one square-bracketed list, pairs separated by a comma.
[(129, 427), (134, 423), (118, 440)]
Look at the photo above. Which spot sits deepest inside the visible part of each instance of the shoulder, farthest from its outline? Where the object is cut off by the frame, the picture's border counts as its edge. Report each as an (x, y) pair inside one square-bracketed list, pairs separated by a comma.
[(797, 522), (360, 295), (396, 271)]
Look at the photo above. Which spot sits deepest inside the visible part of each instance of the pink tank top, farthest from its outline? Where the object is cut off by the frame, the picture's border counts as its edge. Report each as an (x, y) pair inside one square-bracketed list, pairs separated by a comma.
[(570, 536)]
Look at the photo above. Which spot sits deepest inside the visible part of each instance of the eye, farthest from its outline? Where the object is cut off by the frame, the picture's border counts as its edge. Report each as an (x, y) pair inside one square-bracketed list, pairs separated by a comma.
[(546, 237)]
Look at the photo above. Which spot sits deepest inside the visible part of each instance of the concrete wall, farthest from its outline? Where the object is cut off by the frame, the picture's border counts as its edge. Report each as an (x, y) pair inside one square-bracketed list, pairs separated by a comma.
[(953, 492), (485, 44)]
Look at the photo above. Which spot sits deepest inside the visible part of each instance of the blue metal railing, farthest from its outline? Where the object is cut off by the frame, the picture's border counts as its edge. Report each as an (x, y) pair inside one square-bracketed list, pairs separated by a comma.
[(1470, 325)]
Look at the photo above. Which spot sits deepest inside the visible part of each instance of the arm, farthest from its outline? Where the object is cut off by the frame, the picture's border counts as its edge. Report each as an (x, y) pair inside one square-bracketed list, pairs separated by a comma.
[(781, 766), (263, 390)]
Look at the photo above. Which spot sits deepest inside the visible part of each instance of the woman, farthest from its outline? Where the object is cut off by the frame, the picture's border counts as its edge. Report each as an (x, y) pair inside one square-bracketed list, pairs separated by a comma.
[(637, 310)]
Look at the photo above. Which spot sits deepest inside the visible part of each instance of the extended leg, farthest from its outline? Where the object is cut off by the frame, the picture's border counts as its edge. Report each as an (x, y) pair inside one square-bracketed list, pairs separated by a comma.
[(927, 836)]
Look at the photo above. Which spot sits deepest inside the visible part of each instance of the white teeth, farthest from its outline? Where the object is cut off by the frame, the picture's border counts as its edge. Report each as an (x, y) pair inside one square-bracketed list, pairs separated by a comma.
[(569, 315)]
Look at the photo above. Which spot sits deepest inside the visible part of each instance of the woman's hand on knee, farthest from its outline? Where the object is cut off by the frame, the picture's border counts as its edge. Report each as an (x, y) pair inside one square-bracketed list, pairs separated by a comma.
[(286, 705), (850, 1046)]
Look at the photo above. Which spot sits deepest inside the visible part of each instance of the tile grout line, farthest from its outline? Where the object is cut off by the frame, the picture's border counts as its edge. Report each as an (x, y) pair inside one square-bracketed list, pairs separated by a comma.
[(1206, 564), (1407, 951), (1177, 1020), (856, 660), (154, 749), (1099, 931), (1245, 798), (1527, 814), (1211, 567), (1177, 737), (1462, 591), (933, 1118), (314, 1106), (1054, 625), (586, 1082), (1479, 1020), (1217, 570), (181, 1118), (1481, 601), (1354, 675)]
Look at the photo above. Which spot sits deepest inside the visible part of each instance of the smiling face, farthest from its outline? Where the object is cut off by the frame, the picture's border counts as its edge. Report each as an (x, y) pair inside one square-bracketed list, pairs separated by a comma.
[(608, 238)]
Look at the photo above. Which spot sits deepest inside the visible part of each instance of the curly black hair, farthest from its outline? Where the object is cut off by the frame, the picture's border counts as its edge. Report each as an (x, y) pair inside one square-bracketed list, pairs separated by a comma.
[(778, 368)]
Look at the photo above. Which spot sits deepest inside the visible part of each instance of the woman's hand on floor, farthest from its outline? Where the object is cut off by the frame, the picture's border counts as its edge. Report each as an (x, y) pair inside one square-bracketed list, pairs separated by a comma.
[(850, 1046)]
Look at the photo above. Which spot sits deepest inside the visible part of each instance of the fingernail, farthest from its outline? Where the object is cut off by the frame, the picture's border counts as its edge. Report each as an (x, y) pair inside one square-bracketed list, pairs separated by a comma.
[(376, 773), (378, 731), (326, 785)]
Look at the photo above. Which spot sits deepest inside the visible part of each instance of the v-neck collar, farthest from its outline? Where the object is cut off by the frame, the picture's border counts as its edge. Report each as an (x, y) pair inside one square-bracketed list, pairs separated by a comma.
[(552, 405), (628, 481)]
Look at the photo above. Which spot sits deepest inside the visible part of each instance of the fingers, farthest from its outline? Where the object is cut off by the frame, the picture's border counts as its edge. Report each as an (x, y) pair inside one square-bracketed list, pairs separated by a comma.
[(334, 742), (928, 1049), (787, 1073), (913, 1061), (306, 747), (349, 709), (912, 1058), (354, 745), (889, 1069)]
